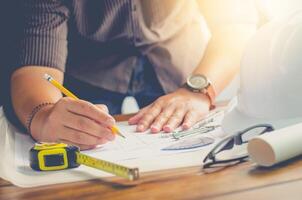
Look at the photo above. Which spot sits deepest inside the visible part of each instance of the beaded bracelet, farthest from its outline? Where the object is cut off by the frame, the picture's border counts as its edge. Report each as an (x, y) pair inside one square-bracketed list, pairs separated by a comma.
[(34, 112)]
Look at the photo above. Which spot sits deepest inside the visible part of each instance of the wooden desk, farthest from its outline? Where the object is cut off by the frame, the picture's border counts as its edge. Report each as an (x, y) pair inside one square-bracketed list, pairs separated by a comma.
[(244, 181)]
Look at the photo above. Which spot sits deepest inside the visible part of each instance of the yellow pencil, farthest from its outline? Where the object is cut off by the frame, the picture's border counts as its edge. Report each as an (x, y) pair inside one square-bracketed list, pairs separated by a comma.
[(65, 91)]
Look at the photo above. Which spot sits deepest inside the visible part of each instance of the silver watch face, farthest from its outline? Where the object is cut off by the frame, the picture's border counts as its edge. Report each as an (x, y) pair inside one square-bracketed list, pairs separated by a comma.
[(197, 82)]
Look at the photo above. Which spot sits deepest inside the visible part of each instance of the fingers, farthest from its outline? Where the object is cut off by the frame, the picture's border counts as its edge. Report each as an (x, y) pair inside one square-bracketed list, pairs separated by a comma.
[(175, 120), (148, 117), (191, 118), (181, 107), (78, 137), (135, 119), (86, 125), (77, 122), (162, 119), (89, 110), (169, 116)]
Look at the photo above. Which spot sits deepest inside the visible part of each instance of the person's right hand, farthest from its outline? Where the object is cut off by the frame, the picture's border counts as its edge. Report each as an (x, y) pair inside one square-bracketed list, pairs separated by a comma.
[(74, 122)]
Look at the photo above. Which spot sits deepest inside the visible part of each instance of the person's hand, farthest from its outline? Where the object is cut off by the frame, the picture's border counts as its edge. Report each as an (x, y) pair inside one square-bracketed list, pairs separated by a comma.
[(180, 108), (74, 122)]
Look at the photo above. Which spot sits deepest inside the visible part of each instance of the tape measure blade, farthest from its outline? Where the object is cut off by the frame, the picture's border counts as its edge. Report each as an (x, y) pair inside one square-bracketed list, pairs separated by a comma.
[(113, 168)]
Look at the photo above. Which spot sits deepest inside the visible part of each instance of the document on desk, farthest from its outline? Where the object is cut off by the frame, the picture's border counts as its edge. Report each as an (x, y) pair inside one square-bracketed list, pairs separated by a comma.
[(147, 151)]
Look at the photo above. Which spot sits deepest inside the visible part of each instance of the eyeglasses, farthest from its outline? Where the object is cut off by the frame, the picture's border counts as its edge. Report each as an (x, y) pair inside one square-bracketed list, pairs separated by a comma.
[(232, 150)]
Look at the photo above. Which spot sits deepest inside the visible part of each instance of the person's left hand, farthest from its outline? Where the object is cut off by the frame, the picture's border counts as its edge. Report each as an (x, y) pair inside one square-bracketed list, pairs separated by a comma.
[(180, 108)]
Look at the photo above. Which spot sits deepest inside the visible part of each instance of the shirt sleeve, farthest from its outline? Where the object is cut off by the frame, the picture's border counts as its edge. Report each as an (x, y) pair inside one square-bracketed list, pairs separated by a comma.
[(43, 40), (230, 11)]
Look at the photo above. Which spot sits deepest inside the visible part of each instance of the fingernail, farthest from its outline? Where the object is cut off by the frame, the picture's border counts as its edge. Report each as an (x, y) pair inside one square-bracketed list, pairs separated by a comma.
[(185, 126), (140, 128), (167, 129), (154, 129)]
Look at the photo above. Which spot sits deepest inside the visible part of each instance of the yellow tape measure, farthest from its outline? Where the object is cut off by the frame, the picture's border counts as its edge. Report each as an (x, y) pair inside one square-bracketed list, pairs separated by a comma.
[(50, 156)]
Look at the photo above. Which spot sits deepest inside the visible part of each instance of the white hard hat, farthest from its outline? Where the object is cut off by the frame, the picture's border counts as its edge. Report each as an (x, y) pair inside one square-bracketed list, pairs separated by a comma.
[(270, 78)]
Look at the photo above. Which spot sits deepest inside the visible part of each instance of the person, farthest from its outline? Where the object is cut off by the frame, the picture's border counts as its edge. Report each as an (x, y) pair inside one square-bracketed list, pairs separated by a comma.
[(173, 56)]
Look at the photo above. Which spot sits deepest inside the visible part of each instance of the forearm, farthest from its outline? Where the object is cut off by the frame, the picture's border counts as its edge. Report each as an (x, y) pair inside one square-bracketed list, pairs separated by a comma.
[(29, 89), (43, 42), (221, 61)]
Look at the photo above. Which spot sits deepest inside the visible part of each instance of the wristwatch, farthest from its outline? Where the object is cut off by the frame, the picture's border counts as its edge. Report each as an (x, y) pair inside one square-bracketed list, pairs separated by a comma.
[(201, 84)]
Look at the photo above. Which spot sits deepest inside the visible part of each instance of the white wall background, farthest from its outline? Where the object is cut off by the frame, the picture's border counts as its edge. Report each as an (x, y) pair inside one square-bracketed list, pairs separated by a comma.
[(279, 8)]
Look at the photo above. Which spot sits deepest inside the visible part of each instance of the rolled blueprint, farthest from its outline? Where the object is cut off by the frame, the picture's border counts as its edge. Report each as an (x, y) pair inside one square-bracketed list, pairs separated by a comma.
[(277, 146)]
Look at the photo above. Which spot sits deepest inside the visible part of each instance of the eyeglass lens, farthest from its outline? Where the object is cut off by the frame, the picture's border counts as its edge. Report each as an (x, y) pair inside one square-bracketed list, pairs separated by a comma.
[(253, 132)]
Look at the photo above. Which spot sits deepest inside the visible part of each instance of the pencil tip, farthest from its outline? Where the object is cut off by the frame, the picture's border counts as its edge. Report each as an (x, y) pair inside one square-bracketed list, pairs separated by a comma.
[(120, 134)]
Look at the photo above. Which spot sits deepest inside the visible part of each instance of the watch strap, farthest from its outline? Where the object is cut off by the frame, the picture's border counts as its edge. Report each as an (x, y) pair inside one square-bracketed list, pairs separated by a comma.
[(209, 91)]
